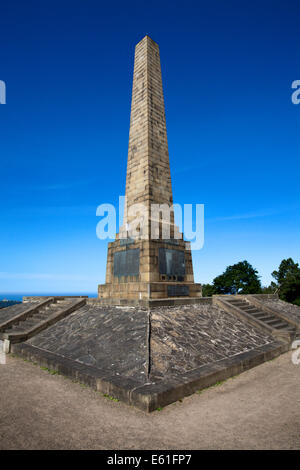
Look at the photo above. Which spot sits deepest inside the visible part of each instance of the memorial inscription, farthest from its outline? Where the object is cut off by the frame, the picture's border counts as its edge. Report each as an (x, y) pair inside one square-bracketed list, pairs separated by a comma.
[(171, 262), (127, 263), (177, 291)]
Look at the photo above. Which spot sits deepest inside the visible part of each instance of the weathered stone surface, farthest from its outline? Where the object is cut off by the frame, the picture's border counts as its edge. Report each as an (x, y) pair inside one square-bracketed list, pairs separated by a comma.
[(113, 339), (150, 359), (181, 339), (187, 337)]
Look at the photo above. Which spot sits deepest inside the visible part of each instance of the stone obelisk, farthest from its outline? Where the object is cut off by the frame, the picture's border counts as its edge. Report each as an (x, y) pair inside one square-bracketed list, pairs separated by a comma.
[(148, 168), (148, 265)]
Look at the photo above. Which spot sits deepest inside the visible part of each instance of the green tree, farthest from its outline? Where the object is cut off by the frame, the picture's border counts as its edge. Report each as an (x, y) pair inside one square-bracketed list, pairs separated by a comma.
[(288, 281), (286, 268), (208, 290), (240, 278), (271, 289)]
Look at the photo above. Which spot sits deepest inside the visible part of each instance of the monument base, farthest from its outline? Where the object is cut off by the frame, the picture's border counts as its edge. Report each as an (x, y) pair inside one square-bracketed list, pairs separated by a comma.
[(146, 293), (141, 271)]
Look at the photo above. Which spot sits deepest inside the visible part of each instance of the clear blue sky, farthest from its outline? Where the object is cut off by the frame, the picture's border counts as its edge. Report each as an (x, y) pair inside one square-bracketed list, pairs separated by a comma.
[(233, 131)]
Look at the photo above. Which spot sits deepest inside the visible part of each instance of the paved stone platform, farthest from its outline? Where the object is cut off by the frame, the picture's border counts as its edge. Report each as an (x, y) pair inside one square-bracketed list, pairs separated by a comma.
[(113, 339), (150, 358), (188, 337)]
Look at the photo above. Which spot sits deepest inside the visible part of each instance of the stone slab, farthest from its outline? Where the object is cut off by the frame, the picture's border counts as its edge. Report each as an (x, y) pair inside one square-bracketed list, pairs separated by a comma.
[(110, 338), (151, 303)]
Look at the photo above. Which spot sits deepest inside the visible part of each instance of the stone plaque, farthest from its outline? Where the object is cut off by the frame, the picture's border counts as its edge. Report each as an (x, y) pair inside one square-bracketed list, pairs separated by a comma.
[(127, 263), (177, 291), (171, 262)]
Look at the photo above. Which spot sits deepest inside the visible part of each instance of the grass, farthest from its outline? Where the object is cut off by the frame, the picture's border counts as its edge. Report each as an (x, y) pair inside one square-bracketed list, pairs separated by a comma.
[(51, 371), (110, 397), (217, 384)]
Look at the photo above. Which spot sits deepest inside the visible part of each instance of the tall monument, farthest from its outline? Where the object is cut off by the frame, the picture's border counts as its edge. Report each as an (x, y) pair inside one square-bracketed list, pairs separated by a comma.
[(149, 259)]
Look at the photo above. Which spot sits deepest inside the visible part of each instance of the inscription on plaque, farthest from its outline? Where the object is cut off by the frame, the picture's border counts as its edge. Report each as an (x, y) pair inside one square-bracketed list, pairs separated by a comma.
[(127, 263), (171, 262), (177, 291)]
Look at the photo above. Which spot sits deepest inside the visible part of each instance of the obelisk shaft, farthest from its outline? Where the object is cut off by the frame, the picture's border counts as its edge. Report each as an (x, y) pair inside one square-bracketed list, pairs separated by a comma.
[(148, 170)]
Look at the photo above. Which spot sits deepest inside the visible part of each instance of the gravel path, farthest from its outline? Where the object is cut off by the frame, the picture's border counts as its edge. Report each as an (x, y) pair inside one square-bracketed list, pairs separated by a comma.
[(260, 409)]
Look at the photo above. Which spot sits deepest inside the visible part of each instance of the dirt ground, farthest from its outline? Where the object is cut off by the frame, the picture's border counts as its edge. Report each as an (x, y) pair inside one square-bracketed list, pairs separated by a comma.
[(259, 409)]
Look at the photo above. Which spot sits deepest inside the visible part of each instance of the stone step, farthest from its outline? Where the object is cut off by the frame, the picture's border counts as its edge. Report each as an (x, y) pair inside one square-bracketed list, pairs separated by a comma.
[(17, 327), (43, 315), (238, 304), (276, 323), (289, 328), (264, 317), (28, 325), (258, 314), (38, 320), (44, 311), (40, 317), (28, 319), (251, 310)]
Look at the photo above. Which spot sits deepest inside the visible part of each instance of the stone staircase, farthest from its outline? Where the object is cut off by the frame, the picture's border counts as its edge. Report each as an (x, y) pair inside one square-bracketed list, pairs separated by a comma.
[(259, 316), (38, 317)]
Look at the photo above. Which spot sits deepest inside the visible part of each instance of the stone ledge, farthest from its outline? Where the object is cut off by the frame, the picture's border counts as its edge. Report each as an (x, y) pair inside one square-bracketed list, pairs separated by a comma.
[(40, 298), (149, 303), (149, 397)]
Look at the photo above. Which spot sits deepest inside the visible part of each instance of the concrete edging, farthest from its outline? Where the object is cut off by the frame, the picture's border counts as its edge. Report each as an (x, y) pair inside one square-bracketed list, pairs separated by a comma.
[(150, 303), (149, 397)]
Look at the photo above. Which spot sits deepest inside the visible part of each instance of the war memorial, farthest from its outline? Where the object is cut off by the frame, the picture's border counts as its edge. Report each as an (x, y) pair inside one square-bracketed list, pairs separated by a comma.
[(149, 338)]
